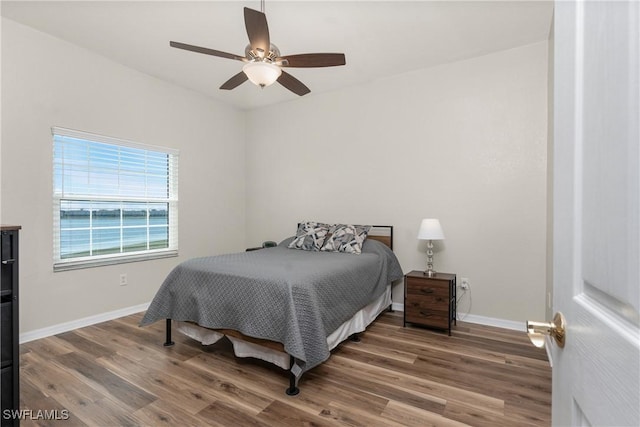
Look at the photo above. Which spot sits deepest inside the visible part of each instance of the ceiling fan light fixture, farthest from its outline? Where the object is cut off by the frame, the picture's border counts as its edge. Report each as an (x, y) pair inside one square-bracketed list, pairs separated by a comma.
[(263, 60), (262, 73)]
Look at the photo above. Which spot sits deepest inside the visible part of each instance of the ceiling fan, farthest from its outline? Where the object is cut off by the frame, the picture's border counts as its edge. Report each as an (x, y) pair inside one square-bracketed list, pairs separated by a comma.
[(263, 61)]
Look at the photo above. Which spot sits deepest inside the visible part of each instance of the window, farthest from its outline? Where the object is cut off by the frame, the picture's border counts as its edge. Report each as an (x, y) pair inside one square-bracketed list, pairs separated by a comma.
[(114, 201)]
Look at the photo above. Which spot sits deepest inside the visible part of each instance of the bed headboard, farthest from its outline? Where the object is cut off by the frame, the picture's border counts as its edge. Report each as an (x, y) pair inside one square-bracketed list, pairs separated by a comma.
[(382, 233)]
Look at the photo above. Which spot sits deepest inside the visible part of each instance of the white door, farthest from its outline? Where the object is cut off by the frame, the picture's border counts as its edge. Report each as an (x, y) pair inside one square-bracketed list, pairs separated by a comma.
[(596, 188)]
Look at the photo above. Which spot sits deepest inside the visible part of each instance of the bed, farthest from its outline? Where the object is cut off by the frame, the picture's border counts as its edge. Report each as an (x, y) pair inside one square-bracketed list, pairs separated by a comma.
[(287, 306)]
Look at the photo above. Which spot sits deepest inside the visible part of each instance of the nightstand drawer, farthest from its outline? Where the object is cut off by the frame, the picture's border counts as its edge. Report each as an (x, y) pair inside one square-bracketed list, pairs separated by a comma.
[(426, 315), (432, 302), (434, 288)]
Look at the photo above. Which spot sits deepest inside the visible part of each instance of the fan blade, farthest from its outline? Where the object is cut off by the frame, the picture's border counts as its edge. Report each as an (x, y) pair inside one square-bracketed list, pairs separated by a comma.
[(313, 60), (258, 31), (207, 51), (293, 84), (234, 81)]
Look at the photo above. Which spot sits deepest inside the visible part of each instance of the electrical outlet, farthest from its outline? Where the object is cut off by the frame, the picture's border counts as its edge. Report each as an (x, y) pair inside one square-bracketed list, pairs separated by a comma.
[(123, 279), (464, 283)]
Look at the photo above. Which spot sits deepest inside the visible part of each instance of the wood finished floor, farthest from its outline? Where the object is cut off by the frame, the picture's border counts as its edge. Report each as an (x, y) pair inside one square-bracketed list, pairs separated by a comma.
[(117, 374)]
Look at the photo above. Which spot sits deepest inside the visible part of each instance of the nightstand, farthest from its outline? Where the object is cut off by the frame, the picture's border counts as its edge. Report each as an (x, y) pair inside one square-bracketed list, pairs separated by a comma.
[(430, 301)]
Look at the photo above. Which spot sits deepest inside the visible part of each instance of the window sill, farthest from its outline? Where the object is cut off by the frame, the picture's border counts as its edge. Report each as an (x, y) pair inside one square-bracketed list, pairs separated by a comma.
[(76, 265)]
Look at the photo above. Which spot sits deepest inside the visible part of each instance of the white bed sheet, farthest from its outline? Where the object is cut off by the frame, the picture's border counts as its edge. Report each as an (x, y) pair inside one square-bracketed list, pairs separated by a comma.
[(241, 348)]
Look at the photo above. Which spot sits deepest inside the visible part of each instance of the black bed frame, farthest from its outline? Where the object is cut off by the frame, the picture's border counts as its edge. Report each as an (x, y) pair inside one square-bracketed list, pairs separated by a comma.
[(292, 390)]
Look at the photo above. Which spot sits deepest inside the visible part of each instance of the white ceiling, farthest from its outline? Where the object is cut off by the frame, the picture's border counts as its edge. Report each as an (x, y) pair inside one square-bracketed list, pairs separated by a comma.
[(379, 38)]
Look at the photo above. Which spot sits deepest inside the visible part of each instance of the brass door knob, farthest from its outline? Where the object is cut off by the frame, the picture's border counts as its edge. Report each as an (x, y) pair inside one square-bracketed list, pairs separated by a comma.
[(537, 330)]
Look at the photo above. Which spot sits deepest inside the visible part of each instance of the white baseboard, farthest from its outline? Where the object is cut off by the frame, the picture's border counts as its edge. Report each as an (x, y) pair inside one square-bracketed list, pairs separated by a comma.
[(397, 306), (493, 321), (80, 323), (481, 320)]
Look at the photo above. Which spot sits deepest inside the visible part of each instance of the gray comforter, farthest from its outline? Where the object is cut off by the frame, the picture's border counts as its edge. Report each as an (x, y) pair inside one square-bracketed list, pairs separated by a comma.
[(291, 296)]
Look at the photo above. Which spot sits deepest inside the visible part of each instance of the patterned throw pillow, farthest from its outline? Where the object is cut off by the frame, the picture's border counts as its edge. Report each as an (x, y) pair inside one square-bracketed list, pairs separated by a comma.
[(310, 236), (347, 238)]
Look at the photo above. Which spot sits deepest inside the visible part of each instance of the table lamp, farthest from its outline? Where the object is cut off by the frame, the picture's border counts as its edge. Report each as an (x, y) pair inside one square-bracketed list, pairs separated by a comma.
[(430, 230)]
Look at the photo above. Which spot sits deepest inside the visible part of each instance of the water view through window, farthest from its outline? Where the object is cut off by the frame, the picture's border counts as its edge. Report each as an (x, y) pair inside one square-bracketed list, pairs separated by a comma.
[(112, 198), (94, 228)]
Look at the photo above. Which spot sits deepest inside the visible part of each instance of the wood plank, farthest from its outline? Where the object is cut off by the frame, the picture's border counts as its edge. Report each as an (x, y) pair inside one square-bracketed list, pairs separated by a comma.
[(476, 416), (410, 381), (224, 414), (389, 391), (79, 343), (409, 416), (165, 413), (56, 382), (155, 381), (30, 393), (85, 405), (281, 414), (107, 382), (405, 356), (349, 415), (211, 383)]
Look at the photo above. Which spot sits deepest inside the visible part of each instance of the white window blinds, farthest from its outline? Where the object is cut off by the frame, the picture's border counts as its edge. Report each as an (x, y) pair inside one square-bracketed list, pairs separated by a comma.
[(114, 200)]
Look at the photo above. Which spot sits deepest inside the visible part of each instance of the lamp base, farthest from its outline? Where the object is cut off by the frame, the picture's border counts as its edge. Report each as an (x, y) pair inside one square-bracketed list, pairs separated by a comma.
[(429, 271)]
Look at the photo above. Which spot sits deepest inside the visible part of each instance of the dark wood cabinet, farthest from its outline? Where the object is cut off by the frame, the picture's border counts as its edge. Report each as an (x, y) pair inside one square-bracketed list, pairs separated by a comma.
[(9, 344), (430, 301)]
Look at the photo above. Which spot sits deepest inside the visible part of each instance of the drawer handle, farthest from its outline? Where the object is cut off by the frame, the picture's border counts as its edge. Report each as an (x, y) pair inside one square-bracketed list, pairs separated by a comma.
[(426, 290), (425, 313), (8, 261)]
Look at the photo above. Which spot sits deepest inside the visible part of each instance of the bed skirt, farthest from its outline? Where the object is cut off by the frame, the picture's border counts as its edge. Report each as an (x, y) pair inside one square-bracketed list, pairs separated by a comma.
[(241, 348)]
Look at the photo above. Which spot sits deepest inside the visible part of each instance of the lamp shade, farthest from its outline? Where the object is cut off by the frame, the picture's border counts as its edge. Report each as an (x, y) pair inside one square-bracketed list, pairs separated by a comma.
[(262, 73), (430, 229)]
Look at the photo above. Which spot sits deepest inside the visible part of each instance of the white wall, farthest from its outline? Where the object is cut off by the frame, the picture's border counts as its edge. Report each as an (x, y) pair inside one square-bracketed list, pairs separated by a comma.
[(47, 82), (464, 142)]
